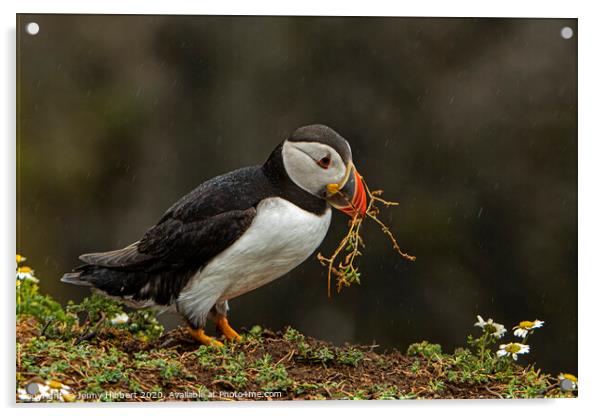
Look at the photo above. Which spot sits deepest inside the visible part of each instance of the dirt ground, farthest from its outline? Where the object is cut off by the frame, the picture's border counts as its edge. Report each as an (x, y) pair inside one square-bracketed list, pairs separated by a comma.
[(298, 368)]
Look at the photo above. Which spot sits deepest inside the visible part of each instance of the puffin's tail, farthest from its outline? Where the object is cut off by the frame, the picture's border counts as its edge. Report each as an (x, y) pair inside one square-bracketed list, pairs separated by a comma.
[(113, 282), (115, 272), (75, 279)]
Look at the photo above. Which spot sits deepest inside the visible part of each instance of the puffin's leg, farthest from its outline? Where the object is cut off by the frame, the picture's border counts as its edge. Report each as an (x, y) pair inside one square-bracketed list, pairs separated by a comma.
[(200, 336), (196, 314), (221, 322)]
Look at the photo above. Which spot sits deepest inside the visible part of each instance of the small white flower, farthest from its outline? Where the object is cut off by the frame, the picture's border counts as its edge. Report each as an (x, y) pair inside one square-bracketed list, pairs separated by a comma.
[(26, 273), (481, 322), (499, 330), (513, 349), (121, 318), (495, 329), (524, 327)]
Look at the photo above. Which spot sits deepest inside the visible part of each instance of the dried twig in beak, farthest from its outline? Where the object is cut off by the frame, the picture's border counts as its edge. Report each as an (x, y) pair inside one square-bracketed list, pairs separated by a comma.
[(346, 271)]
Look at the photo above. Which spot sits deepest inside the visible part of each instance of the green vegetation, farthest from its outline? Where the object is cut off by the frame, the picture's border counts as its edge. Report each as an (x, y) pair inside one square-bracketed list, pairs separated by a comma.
[(97, 351), (273, 377)]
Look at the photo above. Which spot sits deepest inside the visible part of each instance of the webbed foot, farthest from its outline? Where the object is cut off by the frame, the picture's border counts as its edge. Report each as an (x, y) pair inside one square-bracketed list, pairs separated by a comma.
[(224, 327), (200, 336)]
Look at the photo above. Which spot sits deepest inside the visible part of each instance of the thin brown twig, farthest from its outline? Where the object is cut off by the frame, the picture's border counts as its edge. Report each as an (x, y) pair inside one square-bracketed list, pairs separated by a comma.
[(88, 336), (346, 271)]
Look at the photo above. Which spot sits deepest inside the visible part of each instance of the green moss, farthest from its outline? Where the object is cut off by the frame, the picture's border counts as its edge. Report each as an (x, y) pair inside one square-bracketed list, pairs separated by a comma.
[(255, 332), (233, 371), (350, 356), (95, 307), (42, 307), (292, 335), (322, 355), (98, 309), (206, 356), (385, 392), (424, 349), (381, 363), (304, 388), (436, 385), (272, 377)]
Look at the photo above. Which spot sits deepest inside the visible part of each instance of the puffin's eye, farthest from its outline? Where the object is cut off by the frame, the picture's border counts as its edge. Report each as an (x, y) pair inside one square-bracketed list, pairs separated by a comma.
[(324, 162)]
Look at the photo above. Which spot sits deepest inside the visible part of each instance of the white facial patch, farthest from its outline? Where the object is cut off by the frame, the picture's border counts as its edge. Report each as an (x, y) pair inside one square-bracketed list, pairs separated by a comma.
[(301, 165)]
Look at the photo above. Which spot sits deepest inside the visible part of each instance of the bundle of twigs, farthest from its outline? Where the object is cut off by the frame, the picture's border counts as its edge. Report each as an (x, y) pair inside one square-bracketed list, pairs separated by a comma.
[(346, 271)]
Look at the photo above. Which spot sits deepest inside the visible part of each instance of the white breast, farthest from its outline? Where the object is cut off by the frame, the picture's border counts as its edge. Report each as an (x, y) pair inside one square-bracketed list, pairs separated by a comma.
[(281, 237)]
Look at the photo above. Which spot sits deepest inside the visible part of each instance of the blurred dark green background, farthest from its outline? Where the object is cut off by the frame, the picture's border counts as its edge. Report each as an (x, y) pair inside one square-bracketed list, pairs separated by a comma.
[(471, 124)]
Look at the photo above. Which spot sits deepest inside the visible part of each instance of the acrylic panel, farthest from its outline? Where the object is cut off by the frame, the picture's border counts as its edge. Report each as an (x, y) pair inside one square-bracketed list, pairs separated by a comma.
[(465, 288)]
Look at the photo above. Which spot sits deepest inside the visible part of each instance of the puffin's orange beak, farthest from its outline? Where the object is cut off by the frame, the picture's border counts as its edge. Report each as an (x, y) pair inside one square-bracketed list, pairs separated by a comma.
[(350, 197)]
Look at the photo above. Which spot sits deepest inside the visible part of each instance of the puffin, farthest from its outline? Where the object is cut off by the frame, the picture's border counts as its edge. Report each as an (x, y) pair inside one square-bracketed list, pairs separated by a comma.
[(233, 233)]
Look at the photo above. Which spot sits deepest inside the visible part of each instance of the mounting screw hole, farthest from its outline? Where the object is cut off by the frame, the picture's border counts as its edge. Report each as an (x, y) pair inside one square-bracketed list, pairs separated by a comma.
[(32, 28), (566, 32)]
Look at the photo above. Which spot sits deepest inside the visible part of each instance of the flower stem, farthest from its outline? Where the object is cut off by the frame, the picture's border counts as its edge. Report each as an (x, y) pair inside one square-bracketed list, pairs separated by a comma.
[(483, 344)]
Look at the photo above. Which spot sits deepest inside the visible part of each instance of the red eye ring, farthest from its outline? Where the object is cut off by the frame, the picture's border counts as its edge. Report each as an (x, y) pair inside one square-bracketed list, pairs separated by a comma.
[(324, 162)]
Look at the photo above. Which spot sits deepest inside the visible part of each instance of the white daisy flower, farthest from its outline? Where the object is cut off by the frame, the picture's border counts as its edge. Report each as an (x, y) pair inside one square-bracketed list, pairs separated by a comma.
[(121, 318), (26, 273), (567, 381), (493, 328), (481, 322), (524, 327), (499, 330), (513, 349)]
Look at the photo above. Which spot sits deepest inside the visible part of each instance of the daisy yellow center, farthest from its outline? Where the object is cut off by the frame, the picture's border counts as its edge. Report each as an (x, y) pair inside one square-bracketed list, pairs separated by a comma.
[(570, 377), (512, 348), (24, 269), (490, 328), (526, 324)]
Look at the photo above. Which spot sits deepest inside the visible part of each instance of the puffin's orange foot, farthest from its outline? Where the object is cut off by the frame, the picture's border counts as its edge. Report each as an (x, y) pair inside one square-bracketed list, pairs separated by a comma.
[(203, 338), (224, 327)]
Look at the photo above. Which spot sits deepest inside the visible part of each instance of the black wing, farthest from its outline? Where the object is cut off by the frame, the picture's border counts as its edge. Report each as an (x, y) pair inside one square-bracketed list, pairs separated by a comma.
[(160, 265), (179, 242), (193, 231), (196, 228)]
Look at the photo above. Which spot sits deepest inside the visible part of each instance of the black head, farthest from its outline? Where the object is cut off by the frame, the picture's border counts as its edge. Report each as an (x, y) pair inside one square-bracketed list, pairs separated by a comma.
[(323, 134), (318, 160)]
